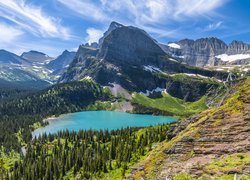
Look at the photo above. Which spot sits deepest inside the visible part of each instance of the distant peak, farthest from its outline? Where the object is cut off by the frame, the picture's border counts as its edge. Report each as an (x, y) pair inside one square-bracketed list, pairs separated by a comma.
[(65, 51), (114, 24), (36, 52)]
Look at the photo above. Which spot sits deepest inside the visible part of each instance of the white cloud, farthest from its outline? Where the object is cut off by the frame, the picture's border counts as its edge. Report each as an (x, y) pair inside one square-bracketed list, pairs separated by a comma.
[(93, 35), (196, 7), (88, 9), (9, 34), (213, 26), (32, 19), (144, 12)]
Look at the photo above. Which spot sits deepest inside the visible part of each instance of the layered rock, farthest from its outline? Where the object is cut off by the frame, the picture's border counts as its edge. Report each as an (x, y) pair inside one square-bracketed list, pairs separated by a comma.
[(128, 56), (203, 52), (207, 144)]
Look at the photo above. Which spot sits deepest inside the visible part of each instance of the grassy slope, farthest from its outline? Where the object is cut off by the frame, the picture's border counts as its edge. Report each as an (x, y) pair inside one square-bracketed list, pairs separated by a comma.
[(222, 165), (171, 104)]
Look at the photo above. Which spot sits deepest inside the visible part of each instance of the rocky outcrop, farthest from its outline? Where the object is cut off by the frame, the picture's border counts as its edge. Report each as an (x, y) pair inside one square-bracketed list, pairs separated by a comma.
[(113, 25), (207, 144), (130, 45), (128, 56), (35, 57), (202, 52), (238, 47), (62, 61)]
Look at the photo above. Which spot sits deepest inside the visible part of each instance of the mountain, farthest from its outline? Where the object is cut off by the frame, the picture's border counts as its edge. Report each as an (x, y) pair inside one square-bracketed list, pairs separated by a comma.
[(17, 72), (113, 25), (211, 145), (61, 62), (36, 57), (32, 66), (209, 52), (7, 57), (129, 57)]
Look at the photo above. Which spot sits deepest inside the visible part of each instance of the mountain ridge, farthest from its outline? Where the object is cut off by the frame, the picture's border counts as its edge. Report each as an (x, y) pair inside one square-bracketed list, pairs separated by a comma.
[(205, 51)]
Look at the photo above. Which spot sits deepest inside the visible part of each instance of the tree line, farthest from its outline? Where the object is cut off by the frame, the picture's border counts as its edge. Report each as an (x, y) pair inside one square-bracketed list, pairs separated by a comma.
[(85, 154)]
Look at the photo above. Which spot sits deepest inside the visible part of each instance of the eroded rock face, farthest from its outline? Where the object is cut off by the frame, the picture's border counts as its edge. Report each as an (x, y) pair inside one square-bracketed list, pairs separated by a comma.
[(200, 140), (130, 45), (128, 56), (238, 47), (202, 52)]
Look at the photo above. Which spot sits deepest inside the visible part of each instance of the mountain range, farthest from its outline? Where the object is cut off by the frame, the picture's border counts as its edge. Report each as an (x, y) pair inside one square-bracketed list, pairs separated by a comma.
[(128, 57), (123, 53), (32, 67), (209, 52)]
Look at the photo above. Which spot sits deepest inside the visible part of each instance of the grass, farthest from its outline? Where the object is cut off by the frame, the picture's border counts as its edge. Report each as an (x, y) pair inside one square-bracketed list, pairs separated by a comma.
[(171, 104), (181, 77), (227, 164), (220, 167)]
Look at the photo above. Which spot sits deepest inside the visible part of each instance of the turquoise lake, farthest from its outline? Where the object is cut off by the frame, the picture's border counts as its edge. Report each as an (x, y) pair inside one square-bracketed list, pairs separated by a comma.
[(100, 120)]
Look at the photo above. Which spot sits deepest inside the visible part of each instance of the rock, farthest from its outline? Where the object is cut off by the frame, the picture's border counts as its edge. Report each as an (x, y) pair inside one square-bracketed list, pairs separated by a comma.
[(202, 52)]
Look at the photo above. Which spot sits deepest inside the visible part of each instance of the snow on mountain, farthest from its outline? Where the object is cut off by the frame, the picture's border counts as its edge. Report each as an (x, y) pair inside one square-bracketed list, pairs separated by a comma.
[(230, 58), (174, 45)]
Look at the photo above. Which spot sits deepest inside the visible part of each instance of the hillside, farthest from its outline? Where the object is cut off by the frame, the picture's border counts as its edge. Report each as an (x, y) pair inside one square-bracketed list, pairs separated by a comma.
[(214, 143), (25, 110), (130, 57)]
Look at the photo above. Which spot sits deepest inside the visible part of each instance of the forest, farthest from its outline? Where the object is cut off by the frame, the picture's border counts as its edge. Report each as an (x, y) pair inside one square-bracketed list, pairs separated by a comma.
[(21, 112), (86, 153)]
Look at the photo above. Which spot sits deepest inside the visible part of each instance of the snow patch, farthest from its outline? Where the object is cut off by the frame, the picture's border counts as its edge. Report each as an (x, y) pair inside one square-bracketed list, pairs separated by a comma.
[(230, 58), (152, 69), (174, 45), (158, 89), (87, 77), (196, 75), (171, 59)]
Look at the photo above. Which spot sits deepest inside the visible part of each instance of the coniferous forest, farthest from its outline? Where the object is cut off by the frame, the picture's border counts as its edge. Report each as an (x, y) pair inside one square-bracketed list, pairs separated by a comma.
[(29, 108), (86, 154)]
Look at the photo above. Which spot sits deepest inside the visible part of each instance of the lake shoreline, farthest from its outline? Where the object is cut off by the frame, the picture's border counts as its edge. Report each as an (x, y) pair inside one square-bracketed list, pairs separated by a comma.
[(98, 120)]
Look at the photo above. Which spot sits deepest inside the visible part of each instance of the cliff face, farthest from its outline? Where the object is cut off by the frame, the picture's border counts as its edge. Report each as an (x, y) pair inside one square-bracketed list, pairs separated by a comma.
[(130, 45), (215, 143), (238, 47), (202, 52), (128, 56)]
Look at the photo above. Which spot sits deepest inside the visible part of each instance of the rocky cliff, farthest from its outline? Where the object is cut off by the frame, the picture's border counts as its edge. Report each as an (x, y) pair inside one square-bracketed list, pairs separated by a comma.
[(128, 56), (213, 144), (207, 51)]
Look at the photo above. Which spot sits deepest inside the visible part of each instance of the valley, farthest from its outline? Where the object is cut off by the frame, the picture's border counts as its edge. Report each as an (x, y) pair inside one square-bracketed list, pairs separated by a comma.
[(127, 107)]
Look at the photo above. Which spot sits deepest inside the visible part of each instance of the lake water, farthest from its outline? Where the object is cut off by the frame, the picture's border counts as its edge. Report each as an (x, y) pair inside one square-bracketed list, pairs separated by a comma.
[(100, 120)]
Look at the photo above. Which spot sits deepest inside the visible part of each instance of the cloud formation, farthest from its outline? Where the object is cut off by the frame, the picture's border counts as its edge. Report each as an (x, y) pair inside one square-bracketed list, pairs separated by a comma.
[(151, 15), (9, 34), (32, 19), (213, 26), (93, 35)]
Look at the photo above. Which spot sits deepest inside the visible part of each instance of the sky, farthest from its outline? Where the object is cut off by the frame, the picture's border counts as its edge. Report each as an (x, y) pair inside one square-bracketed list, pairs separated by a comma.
[(51, 26)]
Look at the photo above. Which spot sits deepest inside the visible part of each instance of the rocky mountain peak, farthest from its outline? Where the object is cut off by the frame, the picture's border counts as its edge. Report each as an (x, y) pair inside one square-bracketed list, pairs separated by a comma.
[(204, 51), (62, 61), (35, 56), (238, 47), (129, 44), (113, 25)]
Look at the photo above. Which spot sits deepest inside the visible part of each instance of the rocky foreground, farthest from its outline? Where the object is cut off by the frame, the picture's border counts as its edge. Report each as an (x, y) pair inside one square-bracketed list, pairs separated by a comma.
[(213, 144)]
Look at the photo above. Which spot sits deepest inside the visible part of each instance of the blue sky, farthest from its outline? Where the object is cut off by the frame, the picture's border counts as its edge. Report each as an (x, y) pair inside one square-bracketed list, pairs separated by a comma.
[(52, 26)]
